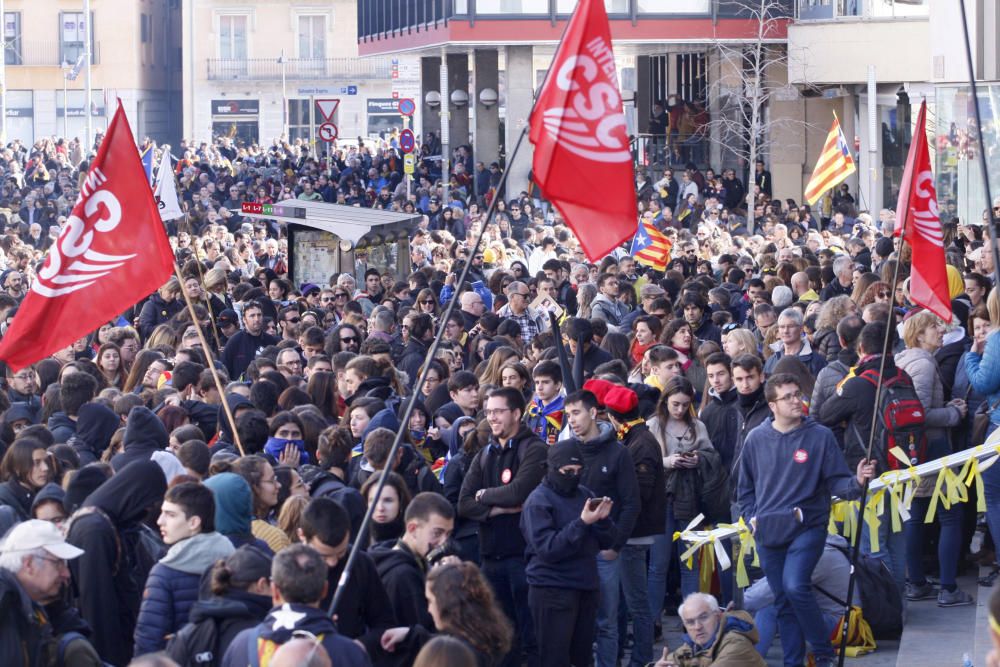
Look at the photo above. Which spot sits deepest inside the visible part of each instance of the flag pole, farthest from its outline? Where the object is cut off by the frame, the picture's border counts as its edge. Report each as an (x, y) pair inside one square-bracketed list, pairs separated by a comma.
[(983, 169), (432, 350), (490, 211), (889, 327), (211, 365)]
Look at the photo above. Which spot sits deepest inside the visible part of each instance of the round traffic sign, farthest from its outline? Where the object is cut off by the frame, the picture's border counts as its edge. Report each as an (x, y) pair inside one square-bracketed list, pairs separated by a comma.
[(328, 132), (407, 106), (407, 141)]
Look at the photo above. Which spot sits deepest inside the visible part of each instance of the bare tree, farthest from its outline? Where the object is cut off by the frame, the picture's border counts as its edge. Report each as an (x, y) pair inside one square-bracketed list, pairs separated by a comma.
[(742, 124)]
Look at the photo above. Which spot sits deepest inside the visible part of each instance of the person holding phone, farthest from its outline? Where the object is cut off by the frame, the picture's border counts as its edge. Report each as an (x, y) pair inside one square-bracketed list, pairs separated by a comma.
[(565, 528)]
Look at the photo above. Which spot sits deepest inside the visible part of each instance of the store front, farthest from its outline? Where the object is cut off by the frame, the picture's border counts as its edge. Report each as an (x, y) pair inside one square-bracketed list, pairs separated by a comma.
[(236, 119)]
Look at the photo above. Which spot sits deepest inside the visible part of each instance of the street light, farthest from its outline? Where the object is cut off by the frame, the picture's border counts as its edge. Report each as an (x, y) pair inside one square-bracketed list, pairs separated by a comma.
[(433, 99)]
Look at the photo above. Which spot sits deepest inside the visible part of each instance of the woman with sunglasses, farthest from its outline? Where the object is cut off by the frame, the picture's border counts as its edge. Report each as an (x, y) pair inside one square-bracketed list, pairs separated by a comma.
[(427, 304)]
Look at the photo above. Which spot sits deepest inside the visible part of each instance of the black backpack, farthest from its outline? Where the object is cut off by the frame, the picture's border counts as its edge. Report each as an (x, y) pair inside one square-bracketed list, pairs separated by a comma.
[(881, 600), (196, 644)]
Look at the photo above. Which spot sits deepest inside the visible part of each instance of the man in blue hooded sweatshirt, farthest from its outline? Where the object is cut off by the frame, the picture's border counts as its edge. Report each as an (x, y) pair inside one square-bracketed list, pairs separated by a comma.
[(791, 467)]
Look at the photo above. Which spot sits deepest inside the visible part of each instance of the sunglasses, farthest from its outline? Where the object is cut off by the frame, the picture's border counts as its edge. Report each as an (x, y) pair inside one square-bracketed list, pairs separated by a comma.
[(349, 339), (427, 302), (294, 320), (340, 296)]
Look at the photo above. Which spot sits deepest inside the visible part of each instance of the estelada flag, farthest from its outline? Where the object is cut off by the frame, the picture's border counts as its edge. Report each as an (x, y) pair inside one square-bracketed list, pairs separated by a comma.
[(651, 247), (582, 159), (834, 165), (112, 251), (917, 218)]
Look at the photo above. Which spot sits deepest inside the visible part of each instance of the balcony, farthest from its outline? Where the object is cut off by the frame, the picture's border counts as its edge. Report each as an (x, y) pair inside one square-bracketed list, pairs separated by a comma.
[(382, 19), (46, 53), (298, 69), (829, 10)]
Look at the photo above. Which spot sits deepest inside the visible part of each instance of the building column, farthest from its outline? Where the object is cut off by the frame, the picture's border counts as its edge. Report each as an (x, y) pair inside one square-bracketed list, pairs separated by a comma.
[(430, 80), (714, 111), (486, 138), (520, 94), (458, 116)]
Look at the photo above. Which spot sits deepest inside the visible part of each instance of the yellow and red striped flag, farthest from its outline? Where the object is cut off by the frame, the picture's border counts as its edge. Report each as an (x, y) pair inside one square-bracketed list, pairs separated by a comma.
[(651, 247), (834, 165)]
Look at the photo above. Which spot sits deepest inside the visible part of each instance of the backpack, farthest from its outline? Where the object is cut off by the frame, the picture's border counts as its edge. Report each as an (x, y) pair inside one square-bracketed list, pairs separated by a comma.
[(196, 644), (901, 416), (881, 600)]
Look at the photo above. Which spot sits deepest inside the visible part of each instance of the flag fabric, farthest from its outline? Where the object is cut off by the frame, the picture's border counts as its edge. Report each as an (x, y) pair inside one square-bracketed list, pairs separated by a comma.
[(165, 191), (650, 247), (917, 219), (111, 252), (834, 165), (76, 69), (582, 161), (146, 156)]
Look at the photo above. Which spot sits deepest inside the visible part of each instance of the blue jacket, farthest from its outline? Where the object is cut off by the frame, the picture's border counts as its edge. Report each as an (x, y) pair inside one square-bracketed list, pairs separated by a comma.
[(278, 628), (984, 373), (562, 549), (801, 469), (172, 587), (478, 287), (813, 360)]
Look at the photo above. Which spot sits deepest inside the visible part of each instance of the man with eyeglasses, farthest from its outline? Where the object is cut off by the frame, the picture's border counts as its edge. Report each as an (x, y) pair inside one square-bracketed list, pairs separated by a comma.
[(22, 390), (713, 636), (790, 467), (288, 323), (687, 262), (792, 342), (499, 480), (33, 572), (518, 310)]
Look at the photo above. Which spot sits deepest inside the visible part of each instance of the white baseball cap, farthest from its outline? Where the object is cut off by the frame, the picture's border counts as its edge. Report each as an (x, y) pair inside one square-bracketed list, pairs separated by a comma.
[(38, 534)]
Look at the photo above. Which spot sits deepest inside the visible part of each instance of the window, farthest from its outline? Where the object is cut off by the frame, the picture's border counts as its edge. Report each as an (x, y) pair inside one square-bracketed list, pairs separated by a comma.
[(233, 37), (12, 38), (299, 126), (312, 37), (73, 35)]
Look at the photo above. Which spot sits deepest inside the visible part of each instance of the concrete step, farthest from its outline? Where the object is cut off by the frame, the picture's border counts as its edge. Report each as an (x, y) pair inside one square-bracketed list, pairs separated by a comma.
[(938, 637)]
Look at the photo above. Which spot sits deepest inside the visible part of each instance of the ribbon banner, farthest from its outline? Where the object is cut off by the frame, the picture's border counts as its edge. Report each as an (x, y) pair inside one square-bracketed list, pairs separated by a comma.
[(893, 490)]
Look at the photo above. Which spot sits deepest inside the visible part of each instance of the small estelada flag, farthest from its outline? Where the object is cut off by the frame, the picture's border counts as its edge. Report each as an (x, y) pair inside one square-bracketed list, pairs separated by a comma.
[(651, 247)]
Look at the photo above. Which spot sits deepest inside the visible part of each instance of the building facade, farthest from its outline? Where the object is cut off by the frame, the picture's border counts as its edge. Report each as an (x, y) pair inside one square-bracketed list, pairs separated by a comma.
[(259, 70), (135, 57)]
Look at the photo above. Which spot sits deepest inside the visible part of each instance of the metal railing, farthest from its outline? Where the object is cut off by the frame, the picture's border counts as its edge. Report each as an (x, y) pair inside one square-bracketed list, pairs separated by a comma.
[(45, 53), (256, 69)]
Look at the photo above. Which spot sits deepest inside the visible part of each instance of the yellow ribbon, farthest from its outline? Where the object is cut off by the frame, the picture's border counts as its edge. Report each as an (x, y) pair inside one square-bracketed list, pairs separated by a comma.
[(939, 494), (706, 566), (974, 474)]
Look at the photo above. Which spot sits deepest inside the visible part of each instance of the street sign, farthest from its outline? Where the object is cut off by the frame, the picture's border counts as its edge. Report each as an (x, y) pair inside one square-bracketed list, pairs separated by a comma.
[(327, 108), (407, 142), (327, 132), (408, 161), (407, 106)]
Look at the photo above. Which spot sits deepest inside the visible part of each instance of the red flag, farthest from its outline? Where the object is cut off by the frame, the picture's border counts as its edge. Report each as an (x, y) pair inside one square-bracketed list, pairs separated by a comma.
[(582, 161), (917, 218), (112, 252)]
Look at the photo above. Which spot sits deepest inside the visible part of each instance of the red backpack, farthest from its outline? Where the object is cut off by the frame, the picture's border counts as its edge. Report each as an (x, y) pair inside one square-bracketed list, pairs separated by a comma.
[(901, 416)]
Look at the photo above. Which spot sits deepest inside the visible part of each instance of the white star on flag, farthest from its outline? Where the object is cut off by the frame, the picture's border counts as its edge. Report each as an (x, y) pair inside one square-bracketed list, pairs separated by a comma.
[(285, 618)]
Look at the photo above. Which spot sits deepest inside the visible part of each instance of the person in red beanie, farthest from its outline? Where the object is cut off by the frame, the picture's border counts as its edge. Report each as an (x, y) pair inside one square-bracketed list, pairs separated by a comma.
[(622, 405)]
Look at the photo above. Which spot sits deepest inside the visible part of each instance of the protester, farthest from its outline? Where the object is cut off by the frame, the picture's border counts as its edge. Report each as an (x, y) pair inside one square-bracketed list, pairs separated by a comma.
[(301, 386)]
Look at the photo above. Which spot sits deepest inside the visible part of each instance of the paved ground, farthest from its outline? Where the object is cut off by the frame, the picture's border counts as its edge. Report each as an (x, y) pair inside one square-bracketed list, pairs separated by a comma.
[(933, 637)]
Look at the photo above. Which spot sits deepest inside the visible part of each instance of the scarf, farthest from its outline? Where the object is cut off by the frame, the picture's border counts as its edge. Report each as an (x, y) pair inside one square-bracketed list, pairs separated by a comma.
[(628, 426), (637, 350), (546, 421)]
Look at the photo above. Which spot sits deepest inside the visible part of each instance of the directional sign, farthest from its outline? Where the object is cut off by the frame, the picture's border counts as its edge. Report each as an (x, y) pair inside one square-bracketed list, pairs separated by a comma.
[(407, 106), (327, 132), (327, 108), (408, 161), (407, 141)]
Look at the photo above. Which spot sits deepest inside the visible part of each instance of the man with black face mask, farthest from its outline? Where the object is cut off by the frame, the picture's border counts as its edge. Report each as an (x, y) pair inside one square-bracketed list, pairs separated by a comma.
[(564, 529)]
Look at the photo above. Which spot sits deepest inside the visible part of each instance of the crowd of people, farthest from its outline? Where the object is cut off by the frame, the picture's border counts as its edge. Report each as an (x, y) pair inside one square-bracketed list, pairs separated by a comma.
[(575, 416)]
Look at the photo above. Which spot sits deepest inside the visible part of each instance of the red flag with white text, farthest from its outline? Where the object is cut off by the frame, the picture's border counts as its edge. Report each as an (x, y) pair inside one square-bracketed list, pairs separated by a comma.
[(583, 162), (112, 252), (917, 217)]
